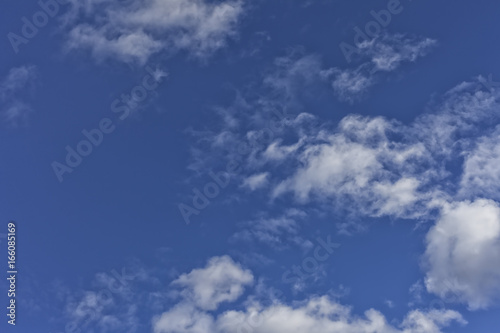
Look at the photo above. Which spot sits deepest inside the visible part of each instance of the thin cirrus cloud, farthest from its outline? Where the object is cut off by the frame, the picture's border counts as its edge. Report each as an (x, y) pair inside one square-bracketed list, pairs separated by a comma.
[(15, 89), (382, 55), (278, 232), (132, 32)]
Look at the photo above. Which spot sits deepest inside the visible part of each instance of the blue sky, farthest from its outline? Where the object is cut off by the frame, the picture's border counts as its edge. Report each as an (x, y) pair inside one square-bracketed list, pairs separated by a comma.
[(212, 166)]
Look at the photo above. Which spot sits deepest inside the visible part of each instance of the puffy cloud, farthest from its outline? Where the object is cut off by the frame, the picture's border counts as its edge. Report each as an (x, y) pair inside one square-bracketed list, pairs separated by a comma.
[(133, 31), (462, 249), (358, 163), (222, 280), (317, 314), (184, 318)]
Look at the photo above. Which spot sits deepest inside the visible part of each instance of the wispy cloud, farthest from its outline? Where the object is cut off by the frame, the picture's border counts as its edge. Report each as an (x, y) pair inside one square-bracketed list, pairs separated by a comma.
[(278, 232), (15, 88), (383, 54)]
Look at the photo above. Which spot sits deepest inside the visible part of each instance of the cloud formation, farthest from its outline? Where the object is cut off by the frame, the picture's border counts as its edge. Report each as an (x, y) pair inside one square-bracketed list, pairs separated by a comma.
[(316, 314), (222, 280), (381, 55), (15, 89), (462, 249), (132, 31), (378, 167)]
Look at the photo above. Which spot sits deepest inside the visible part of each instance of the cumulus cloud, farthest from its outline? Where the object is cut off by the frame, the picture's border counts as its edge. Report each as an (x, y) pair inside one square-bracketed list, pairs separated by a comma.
[(133, 31), (222, 280), (361, 164), (462, 249), (315, 314), (15, 88)]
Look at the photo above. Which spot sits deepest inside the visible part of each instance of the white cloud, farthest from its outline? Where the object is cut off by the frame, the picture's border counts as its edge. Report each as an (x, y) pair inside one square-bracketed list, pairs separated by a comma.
[(256, 181), (383, 54), (277, 152), (379, 166), (17, 79), (481, 171), (277, 232), (14, 88), (294, 72), (222, 280), (360, 164), (373, 166), (136, 31), (462, 251), (184, 318), (134, 46), (388, 52), (316, 314), (350, 85)]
